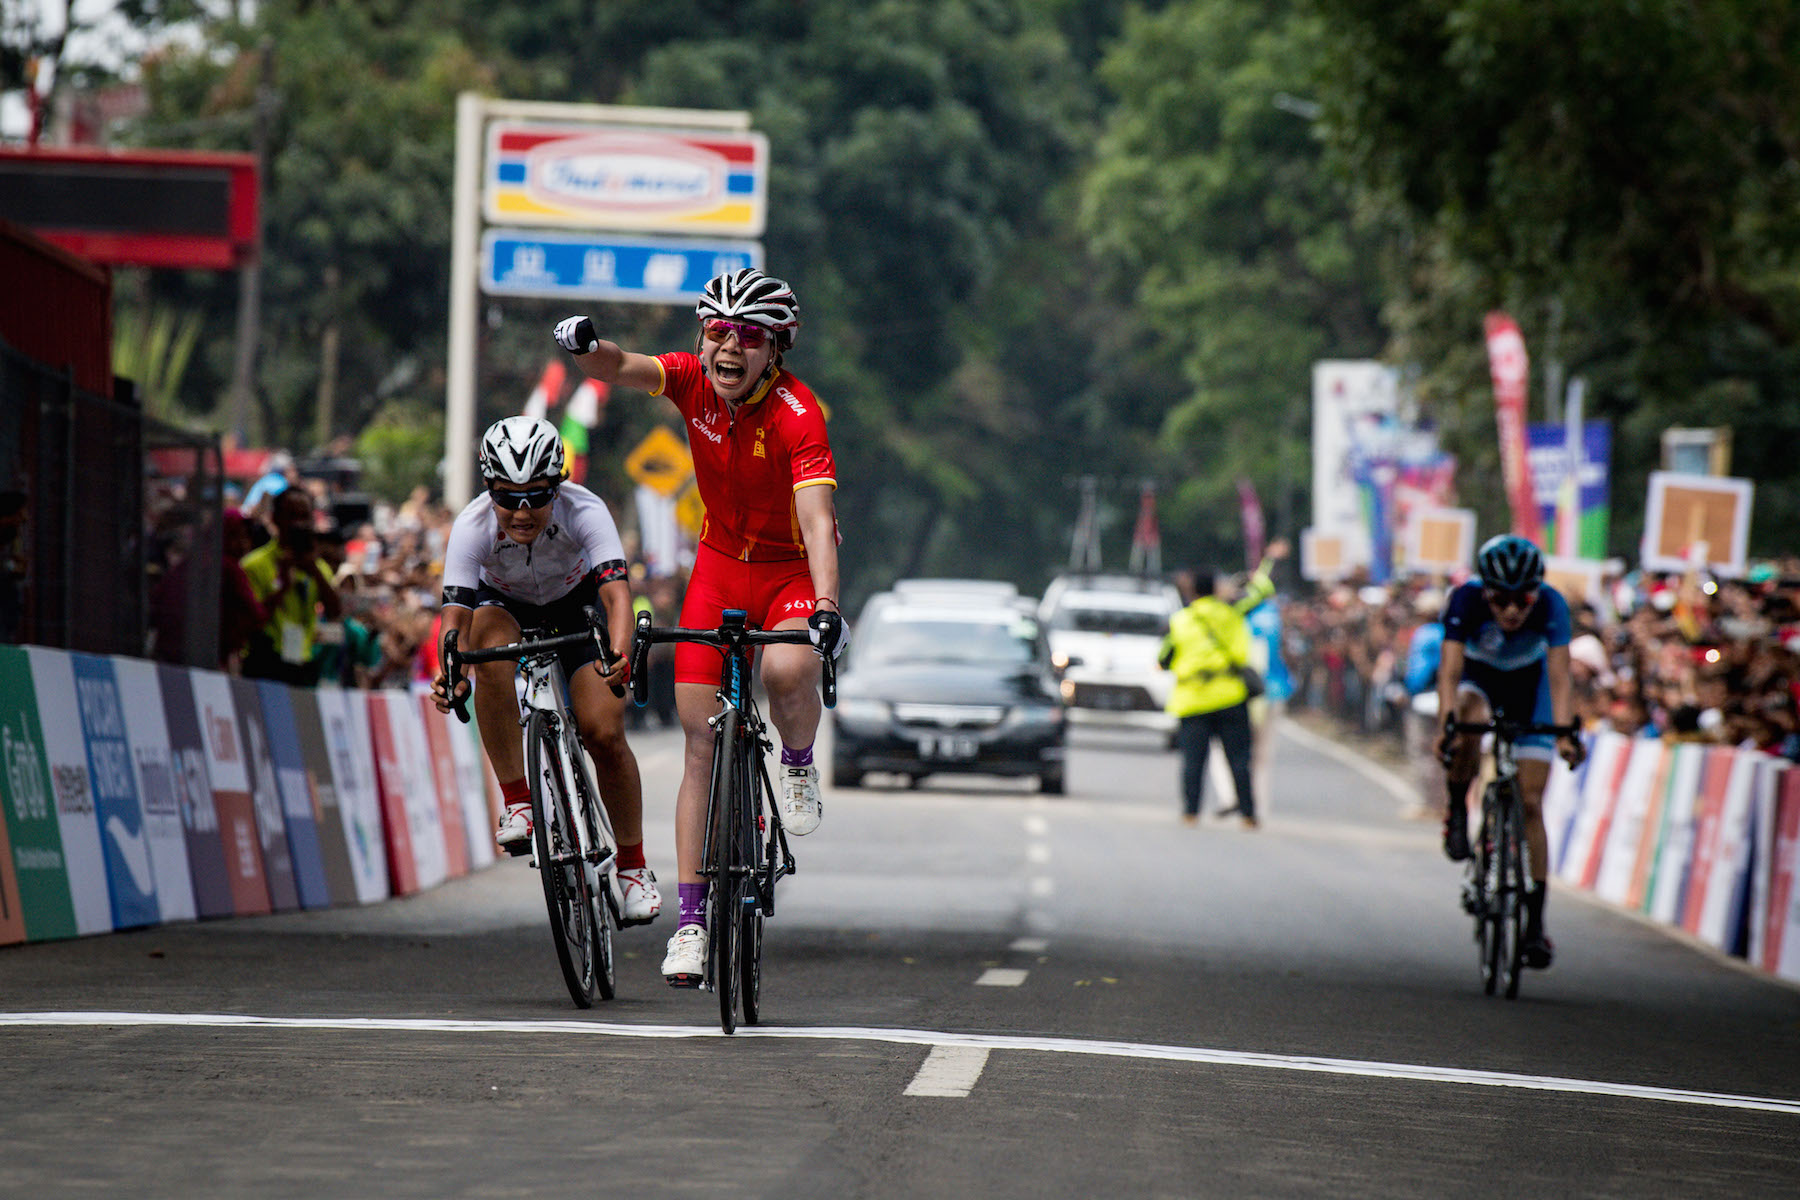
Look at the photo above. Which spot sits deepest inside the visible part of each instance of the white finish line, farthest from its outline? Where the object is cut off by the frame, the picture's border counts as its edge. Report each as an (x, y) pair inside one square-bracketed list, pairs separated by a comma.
[(921, 1037)]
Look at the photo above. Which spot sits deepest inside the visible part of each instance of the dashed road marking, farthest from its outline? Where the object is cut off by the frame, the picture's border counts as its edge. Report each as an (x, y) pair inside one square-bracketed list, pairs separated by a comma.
[(1037, 826), (1029, 945), (1043, 887), (949, 1071), (1037, 852), (1001, 977), (921, 1037)]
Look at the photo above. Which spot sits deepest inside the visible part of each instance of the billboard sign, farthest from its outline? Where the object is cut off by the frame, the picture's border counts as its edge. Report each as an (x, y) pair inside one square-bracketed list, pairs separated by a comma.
[(645, 270), (634, 178)]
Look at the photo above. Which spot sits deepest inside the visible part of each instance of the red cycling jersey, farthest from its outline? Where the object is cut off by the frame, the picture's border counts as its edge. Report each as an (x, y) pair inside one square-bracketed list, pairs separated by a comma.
[(748, 465)]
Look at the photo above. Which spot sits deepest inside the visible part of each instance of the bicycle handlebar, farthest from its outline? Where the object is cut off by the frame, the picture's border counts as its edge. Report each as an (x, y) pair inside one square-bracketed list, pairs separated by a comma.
[(727, 636), (455, 659), (1512, 730)]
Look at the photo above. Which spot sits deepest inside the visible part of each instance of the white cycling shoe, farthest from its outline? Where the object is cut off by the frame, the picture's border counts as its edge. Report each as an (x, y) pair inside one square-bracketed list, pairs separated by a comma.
[(514, 834), (799, 806), (685, 964), (639, 899)]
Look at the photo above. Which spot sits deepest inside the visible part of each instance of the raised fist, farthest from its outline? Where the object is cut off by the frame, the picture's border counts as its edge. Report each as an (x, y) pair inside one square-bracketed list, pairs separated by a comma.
[(577, 336)]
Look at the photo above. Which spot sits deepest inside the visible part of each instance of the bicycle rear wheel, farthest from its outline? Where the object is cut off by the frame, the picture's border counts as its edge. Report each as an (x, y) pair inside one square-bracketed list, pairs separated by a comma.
[(724, 906), (599, 839), (1512, 912), (566, 892)]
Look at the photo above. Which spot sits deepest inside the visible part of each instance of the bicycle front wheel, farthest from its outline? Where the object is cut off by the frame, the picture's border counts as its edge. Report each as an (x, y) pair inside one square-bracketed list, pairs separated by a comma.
[(755, 891), (723, 895), (600, 841), (1512, 912), (1489, 882), (566, 892)]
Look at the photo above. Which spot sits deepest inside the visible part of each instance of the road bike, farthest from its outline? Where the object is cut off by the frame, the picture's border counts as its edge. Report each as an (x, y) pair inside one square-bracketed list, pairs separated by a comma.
[(572, 843), (745, 850), (1494, 889)]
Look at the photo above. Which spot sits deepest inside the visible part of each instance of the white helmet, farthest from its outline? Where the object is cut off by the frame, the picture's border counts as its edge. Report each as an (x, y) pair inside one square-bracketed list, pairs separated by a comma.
[(521, 449), (749, 295)]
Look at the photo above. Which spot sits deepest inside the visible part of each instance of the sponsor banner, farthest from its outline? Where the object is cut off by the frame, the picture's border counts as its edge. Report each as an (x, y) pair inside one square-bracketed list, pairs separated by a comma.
[(1668, 880), (1724, 908), (1599, 783), (478, 823), (1696, 521), (1356, 409), (626, 177), (633, 269), (37, 877), (397, 830), (159, 790), (1550, 474), (1624, 834), (449, 785), (296, 794), (1510, 368), (328, 819), (265, 797), (1650, 837), (1766, 797), (1562, 801), (347, 738), (209, 867), (424, 811), (1781, 947), (218, 717), (1709, 811), (71, 789), (130, 875), (12, 914)]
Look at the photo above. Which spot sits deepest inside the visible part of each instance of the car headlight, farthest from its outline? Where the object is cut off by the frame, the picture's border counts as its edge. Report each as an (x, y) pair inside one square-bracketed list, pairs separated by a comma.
[(864, 712)]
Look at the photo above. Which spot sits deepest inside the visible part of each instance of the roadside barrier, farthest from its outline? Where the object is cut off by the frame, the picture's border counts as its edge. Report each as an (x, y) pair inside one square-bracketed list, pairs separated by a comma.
[(136, 793), (1699, 837)]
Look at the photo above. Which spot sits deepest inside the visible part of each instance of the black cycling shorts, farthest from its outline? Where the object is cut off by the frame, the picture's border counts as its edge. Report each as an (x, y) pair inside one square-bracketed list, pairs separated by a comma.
[(560, 616)]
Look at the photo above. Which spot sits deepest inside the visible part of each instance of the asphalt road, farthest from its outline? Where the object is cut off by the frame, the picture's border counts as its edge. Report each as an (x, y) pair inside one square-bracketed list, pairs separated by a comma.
[(970, 990)]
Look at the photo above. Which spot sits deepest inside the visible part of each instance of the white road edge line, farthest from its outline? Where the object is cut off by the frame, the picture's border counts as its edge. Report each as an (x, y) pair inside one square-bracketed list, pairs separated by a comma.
[(949, 1071), (1002, 977), (921, 1037)]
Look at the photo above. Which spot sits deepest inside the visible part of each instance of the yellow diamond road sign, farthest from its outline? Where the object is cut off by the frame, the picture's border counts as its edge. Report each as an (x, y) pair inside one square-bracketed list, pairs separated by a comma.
[(661, 462), (690, 511)]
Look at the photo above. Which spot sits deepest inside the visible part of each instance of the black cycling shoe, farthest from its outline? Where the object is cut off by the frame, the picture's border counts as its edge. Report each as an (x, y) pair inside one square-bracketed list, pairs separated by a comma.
[(1456, 840), (1538, 951)]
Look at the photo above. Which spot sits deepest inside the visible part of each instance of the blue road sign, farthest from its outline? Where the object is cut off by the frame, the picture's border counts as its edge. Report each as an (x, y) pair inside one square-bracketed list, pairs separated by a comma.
[(647, 270)]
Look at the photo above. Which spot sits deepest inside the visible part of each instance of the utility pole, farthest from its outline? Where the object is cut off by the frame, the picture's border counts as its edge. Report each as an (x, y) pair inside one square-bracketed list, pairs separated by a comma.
[(1084, 548), (249, 314)]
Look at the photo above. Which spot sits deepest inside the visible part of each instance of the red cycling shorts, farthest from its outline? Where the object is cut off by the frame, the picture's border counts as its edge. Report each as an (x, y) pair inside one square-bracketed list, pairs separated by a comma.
[(771, 592)]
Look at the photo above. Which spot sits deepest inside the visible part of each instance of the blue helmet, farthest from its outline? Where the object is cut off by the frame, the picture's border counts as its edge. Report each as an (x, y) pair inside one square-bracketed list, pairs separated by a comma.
[(1510, 563)]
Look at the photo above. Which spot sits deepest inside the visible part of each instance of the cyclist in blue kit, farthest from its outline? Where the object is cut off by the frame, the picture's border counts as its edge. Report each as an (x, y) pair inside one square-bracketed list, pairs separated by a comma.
[(1506, 651)]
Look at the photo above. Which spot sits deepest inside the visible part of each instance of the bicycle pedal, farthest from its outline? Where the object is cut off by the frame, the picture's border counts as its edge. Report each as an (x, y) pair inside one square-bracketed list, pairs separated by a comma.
[(686, 981), (518, 849)]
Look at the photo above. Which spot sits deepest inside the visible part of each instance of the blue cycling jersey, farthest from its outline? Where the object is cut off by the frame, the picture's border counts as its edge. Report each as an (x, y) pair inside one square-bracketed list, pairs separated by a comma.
[(1469, 620)]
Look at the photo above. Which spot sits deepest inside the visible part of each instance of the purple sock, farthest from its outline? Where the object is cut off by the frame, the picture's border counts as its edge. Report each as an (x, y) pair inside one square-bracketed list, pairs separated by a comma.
[(693, 903), (796, 758)]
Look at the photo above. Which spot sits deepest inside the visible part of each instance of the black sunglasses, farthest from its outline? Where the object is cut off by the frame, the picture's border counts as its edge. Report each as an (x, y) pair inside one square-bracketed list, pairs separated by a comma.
[(535, 498), (1501, 598)]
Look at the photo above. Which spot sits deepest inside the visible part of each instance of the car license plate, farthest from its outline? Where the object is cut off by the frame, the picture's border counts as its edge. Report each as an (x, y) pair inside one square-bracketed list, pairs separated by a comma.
[(947, 746)]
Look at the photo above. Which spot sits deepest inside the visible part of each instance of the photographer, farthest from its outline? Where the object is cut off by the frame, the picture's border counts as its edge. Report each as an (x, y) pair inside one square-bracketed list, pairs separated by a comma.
[(293, 583)]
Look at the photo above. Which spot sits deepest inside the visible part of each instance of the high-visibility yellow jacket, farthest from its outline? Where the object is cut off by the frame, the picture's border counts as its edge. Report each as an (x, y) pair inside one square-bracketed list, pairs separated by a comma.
[(1207, 642)]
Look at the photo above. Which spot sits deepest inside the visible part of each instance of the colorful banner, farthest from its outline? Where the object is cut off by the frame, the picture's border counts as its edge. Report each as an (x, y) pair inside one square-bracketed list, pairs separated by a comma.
[(1510, 368), (1550, 467), (217, 714), (33, 831), (296, 794), (72, 789), (159, 792), (346, 719), (391, 781), (208, 865), (130, 875), (449, 784), (334, 852), (478, 822), (418, 789), (265, 796)]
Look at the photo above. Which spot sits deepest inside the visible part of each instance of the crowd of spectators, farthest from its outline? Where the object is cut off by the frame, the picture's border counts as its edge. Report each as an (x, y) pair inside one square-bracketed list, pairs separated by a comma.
[(1686, 656)]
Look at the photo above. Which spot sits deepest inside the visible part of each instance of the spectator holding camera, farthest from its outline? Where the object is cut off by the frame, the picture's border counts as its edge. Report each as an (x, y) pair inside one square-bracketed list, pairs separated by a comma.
[(294, 584)]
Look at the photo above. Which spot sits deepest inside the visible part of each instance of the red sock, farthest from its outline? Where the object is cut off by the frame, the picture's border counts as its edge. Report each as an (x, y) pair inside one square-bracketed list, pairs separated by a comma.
[(516, 792), (631, 858)]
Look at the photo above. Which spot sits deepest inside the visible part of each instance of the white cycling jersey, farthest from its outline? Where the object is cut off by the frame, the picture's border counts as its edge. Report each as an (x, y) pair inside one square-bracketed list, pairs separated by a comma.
[(580, 538)]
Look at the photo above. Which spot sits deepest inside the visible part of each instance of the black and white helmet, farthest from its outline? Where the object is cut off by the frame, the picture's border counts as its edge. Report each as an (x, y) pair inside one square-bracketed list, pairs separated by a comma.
[(521, 449), (1509, 563), (749, 295)]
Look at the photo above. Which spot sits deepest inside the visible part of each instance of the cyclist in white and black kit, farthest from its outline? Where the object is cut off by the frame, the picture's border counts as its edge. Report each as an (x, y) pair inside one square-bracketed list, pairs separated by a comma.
[(531, 552)]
